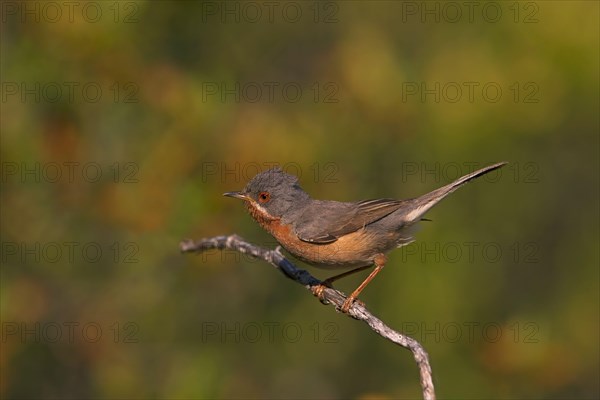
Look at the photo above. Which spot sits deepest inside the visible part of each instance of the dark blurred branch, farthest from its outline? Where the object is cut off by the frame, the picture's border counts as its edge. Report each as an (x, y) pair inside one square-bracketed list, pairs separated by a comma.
[(330, 296)]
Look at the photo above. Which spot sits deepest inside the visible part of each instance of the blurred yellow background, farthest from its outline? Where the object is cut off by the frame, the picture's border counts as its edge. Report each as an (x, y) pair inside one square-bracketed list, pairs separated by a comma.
[(124, 122)]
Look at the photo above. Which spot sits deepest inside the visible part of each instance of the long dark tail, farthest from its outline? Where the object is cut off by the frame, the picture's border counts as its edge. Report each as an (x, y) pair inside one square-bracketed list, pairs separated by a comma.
[(420, 205)]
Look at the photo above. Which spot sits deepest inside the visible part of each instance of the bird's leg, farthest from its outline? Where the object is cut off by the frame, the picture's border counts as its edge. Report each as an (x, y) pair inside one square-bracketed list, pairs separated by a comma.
[(379, 261), (318, 291), (327, 282)]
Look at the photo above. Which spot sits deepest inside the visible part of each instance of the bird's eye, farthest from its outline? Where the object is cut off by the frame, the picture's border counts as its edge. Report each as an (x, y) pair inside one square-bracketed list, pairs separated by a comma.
[(264, 197)]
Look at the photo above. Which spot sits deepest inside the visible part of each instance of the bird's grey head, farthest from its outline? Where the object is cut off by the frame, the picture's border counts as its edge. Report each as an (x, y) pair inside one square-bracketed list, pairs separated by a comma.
[(274, 191)]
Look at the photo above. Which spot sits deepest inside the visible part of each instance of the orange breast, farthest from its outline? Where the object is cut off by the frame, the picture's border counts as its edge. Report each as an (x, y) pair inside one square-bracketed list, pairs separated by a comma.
[(349, 251)]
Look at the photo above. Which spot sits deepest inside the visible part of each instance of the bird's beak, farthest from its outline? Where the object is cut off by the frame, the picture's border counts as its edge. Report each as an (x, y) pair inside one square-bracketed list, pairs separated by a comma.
[(237, 195)]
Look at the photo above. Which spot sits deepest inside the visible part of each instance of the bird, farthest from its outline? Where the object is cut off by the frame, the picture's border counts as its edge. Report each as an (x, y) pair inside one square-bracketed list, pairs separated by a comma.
[(338, 235)]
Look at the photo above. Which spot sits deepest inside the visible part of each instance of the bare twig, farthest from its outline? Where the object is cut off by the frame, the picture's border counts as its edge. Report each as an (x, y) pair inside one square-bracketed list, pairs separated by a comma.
[(329, 295)]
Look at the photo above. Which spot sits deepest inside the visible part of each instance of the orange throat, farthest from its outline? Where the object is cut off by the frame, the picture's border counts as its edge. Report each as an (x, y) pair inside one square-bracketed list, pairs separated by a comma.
[(261, 215)]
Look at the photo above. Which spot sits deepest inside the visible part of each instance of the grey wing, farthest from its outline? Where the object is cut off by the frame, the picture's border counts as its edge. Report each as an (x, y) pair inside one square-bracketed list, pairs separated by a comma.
[(325, 221)]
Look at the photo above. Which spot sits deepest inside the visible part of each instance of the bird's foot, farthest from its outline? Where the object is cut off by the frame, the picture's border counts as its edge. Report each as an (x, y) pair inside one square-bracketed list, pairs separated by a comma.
[(319, 291), (348, 304)]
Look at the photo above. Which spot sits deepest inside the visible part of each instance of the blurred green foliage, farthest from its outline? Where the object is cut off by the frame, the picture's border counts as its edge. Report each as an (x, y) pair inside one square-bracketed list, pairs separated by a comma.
[(138, 100)]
